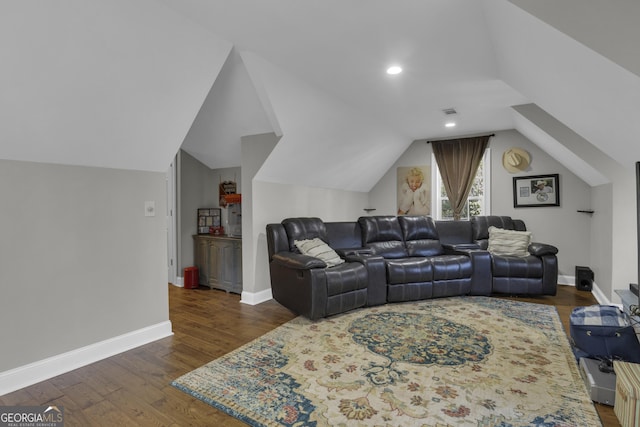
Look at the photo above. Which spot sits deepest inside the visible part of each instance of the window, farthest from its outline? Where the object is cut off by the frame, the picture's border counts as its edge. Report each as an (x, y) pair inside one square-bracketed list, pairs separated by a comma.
[(478, 200)]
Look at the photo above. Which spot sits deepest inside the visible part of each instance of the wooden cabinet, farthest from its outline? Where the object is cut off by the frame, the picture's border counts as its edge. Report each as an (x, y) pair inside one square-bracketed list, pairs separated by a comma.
[(219, 261)]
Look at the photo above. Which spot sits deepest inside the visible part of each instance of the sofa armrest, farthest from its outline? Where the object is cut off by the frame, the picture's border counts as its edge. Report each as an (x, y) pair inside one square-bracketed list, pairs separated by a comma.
[(377, 271), (344, 253), (459, 248), (297, 261), (481, 278), (541, 249)]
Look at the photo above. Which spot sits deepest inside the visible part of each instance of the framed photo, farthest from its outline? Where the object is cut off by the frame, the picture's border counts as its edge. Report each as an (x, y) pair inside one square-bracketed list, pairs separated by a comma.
[(414, 190), (536, 191)]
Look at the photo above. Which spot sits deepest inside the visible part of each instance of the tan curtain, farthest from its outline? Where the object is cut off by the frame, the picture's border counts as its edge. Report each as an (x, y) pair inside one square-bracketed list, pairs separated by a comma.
[(458, 161)]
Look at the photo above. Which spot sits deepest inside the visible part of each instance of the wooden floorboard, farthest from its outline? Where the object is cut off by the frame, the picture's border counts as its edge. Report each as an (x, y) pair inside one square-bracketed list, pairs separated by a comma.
[(133, 388)]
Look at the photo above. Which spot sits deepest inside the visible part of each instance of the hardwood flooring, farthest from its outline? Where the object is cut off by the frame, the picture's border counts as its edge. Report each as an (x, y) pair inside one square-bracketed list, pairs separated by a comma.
[(133, 388)]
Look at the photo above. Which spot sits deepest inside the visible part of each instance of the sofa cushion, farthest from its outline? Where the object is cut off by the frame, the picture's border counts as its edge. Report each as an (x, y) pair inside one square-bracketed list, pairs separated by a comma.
[(383, 235), (409, 270), (508, 242), (480, 225), (319, 249), (516, 267), (420, 235), (448, 267), (304, 229)]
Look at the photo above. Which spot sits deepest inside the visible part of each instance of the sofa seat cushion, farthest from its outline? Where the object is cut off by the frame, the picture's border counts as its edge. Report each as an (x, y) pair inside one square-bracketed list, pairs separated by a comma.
[(427, 269), (409, 270), (511, 266), (448, 267), (345, 278)]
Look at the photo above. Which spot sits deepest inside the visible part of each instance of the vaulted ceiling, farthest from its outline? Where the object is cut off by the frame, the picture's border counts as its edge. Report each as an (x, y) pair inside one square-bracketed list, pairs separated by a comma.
[(125, 84)]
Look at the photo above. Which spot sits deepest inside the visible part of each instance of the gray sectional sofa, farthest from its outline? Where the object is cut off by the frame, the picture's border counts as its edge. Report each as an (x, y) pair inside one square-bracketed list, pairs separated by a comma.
[(384, 259)]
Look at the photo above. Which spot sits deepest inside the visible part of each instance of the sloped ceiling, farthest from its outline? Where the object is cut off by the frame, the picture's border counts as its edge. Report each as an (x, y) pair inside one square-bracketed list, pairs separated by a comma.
[(593, 96), (319, 71), (231, 110), (125, 84), (101, 83)]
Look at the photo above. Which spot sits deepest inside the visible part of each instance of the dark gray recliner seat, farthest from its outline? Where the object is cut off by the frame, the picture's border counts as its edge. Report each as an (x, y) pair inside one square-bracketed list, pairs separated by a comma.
[(305, 284), (417, 266), (536, 274)]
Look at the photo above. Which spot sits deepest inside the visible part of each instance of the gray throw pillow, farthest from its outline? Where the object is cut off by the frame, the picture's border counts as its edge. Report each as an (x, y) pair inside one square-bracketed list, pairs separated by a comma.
[(508, 242), (319, 249)]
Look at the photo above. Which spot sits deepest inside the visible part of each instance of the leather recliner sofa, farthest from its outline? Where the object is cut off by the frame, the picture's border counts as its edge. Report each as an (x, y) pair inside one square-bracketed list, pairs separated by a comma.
[(394, 259), (417, 265)]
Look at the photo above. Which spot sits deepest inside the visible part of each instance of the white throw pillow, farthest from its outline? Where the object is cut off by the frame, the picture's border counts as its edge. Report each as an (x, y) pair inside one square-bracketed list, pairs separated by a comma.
[(319, 249), (508, 242)]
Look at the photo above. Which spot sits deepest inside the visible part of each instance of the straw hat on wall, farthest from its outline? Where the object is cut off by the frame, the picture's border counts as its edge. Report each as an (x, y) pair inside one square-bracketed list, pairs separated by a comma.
[(515, 160)]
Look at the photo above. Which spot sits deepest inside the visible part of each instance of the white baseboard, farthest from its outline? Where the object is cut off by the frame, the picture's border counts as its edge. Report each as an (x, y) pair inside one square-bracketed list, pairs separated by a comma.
[(23, 376), (566, 280), (179, 282), (255, 298), (601, 297)]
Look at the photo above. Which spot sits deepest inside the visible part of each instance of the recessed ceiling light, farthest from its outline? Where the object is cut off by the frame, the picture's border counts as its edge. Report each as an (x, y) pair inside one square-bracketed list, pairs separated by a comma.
[(394, 70), (450, 124)]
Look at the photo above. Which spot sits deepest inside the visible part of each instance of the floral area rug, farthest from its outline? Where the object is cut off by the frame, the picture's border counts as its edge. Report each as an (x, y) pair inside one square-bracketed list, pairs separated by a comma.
[(468, 361)]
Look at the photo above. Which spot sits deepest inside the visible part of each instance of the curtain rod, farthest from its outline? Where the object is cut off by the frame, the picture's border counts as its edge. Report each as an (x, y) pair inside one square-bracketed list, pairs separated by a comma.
[(493, 134)]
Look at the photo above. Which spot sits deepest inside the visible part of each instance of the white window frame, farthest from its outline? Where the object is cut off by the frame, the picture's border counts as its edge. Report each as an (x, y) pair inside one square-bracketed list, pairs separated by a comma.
[(436, 198)]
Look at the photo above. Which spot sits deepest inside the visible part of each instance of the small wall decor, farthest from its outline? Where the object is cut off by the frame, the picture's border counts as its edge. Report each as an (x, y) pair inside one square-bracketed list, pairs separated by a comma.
[(536, 191), (208, 218), (515, 160), (414, 190)]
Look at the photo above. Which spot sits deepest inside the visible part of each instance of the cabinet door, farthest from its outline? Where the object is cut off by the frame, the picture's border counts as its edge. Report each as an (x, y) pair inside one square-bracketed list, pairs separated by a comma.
[(214, 263), (202, 260), (227, 266), (237, 255)]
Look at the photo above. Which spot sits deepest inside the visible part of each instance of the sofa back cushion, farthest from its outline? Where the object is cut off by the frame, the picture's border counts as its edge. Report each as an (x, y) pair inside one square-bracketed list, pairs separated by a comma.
[(304, 229), (344, 235), (454, 232), (383, 235), (480, 227), (420, 235)]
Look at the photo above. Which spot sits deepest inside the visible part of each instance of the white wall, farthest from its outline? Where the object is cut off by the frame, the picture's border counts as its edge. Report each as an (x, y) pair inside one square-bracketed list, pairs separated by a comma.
[(560, 226), (80, 263), (383, 195), (198, 188), (624, 244), (274, 202)]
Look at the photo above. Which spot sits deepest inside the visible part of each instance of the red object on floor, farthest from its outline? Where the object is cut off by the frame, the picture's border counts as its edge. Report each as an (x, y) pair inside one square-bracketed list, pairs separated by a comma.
[(191, 277)]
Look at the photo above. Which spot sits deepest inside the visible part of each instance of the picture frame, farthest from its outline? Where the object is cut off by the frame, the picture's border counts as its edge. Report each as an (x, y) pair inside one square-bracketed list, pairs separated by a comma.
[(208, 218), (536, 191)]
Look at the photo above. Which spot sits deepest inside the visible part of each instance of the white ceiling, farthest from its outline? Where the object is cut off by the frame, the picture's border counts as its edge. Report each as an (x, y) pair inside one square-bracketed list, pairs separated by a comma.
[(125, 84), (479, 57)]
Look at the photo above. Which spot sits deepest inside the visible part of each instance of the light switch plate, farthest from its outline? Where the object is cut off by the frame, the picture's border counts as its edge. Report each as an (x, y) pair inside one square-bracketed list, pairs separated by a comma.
[(149, 208)]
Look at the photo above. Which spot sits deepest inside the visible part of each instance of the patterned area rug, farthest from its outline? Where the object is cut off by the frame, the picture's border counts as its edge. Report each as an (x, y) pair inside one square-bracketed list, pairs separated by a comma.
[(469, 361)]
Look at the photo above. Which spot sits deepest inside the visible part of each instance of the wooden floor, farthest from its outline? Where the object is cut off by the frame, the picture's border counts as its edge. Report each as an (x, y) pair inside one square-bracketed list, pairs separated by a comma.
[(133, 388)]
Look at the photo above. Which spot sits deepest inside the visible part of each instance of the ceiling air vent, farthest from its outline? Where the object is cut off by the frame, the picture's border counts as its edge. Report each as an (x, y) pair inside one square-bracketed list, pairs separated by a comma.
[(449, 111)]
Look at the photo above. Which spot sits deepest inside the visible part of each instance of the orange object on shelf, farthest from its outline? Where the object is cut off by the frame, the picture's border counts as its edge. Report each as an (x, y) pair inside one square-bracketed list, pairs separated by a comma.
[(232, 198)]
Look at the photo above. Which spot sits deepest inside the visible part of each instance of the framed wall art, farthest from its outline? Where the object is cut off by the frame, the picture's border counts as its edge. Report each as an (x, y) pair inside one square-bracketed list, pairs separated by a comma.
[(536, 191)]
